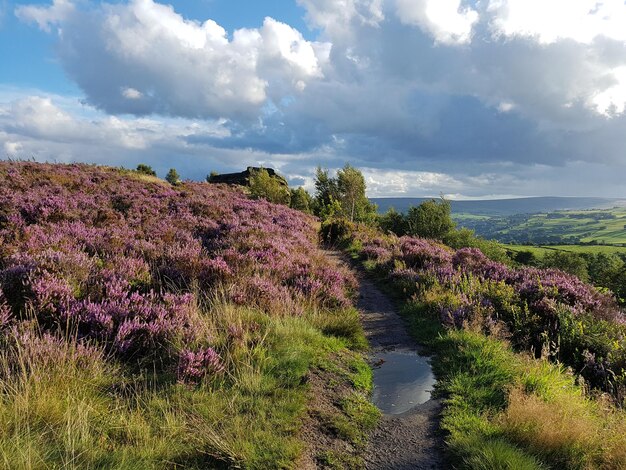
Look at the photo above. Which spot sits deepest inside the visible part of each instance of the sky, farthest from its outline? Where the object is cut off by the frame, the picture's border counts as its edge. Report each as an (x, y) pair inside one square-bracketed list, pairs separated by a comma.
[(466, 98)]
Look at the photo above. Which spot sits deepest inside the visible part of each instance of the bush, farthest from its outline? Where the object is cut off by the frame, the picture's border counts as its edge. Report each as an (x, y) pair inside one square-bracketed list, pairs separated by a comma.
[(393, 221), (172, 177), (336, 231), (145, 170), (431, 219), (264, 186)]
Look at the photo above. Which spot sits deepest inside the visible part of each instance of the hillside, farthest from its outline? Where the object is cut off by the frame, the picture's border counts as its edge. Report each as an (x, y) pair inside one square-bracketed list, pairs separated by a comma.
[(506, 207), (602, 227), (145, 325), (529, 362)]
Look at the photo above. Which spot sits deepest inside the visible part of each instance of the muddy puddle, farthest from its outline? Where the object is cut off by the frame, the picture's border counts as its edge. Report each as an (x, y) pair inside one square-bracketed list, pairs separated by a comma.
[(402, 380)]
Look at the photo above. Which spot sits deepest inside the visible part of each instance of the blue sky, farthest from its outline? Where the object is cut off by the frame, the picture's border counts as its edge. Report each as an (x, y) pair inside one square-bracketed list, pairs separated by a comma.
[(472, 99), (29, 56)]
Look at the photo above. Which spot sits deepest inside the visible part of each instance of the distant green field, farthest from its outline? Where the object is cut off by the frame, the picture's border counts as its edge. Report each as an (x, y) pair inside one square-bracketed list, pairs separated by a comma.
[(465, 216), (602, 227), (594, 249)]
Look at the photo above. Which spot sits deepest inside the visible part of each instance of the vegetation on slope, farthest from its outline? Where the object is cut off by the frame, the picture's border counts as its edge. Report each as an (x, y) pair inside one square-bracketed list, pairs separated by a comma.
[(148, 325), (507, 409), (591, 227)]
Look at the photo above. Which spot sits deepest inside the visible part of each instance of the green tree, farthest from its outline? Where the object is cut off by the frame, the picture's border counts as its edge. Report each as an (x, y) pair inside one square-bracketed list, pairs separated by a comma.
[(346, 189), (608, 270), (351, 185), (145, 170), (571, 263), (211, 176), (325, 189), (331, 210), (393, 221), (300, 200), (431, 219), (264, 186), (466, 238), (525, 257), (172, 177)]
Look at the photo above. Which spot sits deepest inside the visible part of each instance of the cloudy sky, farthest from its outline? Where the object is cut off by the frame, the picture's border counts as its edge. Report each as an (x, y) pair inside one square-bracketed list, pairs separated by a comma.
[(469, 98)]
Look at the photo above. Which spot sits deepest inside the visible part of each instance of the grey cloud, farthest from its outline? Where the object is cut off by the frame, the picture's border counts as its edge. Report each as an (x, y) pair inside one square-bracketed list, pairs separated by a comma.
[(497, 113)]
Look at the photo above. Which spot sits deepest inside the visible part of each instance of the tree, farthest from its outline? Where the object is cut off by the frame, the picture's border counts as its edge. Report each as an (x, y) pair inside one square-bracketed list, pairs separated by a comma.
[(571, 263), (325, 189), (351, 186), (526, 257), (172, 177), (348, 190), (431, 219), (393, 221), (300, 200), (211, 176), (264, 186), (145, 170)]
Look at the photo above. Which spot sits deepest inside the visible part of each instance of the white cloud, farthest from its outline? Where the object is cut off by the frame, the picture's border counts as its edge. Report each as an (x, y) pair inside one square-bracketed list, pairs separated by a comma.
[(552, 20), (336, 16), (612, 100), (12, 148), (384, 183), (180, 67), (506, 106), (445, 20), (131, 93), (446, 87), (45, 17), (37, 118)]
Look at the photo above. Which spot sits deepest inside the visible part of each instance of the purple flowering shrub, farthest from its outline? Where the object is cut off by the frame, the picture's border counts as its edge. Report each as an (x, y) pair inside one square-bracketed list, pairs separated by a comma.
[(536, 309), (5, 312), (25, 351), (194, 366), (123, 261)]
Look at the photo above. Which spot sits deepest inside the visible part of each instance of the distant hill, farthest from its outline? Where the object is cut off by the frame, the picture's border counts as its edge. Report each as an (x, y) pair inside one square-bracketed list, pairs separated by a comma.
[(505, 207)]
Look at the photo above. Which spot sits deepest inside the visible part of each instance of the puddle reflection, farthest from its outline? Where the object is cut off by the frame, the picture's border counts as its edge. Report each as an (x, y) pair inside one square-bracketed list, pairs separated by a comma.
[(402, 380)]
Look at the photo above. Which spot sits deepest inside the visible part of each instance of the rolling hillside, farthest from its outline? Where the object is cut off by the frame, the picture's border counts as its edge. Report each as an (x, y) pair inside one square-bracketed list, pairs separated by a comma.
[(145, 325), (506, 207), (601, 227)]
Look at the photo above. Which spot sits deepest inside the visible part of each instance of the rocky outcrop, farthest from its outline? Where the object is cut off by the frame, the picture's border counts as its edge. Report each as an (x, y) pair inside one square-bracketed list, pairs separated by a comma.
[(243, 178)]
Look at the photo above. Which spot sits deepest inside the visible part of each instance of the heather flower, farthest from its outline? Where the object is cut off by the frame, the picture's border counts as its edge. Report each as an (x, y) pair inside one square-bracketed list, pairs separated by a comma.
[(454, 316), (51, 297), (193, 366), (421, 253), (538, 306), (5, 312), (375, 252), (47, 351), (117, 258), (215, 270)]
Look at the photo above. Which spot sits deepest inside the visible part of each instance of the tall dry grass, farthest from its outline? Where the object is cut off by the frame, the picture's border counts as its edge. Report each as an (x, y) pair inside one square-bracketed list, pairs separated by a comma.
[(568, 429)]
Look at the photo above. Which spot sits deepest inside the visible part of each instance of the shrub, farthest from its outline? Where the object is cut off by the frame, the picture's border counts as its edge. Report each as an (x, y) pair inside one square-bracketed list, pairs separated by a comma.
[(145, 170), (172, 177), (272, 189), (542, 310)]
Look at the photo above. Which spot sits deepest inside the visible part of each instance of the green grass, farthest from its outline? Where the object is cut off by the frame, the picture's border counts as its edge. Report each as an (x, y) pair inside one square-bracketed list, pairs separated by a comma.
[(582, 226), (461, 216), (505, 410), (66, 412), (540, 250)]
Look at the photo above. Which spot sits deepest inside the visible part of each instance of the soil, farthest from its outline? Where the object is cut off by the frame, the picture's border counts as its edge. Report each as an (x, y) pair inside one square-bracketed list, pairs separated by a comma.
[(410, 440), (316, 432)]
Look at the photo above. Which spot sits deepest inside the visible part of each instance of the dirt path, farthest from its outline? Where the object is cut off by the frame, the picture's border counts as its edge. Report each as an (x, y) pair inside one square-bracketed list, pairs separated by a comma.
[(404, 441)]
